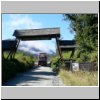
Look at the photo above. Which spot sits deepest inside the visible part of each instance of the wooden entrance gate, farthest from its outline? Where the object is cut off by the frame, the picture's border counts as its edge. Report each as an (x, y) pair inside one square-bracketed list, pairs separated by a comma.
[(39, 34), (30, 34)]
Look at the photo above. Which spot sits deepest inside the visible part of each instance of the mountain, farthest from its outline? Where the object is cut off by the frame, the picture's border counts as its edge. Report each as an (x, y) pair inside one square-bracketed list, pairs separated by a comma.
[(34, 51)]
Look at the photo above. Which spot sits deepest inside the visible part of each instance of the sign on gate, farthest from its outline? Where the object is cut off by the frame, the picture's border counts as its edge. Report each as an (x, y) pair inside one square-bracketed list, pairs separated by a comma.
[(75, 66)]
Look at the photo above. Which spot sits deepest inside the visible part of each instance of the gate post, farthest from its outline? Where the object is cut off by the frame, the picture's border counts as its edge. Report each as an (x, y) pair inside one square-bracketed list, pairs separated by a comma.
[(18, 41), (58, 48), (13, 49)]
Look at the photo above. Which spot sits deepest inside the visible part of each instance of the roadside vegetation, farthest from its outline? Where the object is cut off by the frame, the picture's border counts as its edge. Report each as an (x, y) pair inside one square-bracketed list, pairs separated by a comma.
[(20, 63), (69, 78), (79, 78), (85, 27)]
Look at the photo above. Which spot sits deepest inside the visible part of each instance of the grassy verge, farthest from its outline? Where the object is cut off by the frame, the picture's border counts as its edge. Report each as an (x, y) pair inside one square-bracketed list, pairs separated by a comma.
[(79, 78), (21, 63)]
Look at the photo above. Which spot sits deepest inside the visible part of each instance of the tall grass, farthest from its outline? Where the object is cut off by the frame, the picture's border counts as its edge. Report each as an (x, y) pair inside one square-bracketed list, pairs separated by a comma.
[(79, 78), (21, 63)]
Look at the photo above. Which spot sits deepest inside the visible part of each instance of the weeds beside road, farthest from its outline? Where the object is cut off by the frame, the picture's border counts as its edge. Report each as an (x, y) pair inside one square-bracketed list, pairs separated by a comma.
[(10, 68), (79, 78)]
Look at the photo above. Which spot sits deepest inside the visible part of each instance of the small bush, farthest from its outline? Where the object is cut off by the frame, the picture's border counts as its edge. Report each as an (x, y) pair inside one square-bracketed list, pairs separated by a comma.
[(57, 63), (10, 68), (66, 55), (54, 63)]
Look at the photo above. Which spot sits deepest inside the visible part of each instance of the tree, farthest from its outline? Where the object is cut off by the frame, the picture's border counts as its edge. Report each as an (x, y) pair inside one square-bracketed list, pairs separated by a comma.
[(86, 28)]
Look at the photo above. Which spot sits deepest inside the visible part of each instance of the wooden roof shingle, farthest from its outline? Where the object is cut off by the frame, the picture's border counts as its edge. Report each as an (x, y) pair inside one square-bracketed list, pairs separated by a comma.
[(7, 45), (67, 45), (37, 34)]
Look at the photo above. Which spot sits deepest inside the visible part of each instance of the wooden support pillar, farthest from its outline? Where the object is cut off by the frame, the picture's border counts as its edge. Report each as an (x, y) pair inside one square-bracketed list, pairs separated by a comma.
[(16, 49), (71, 56), (71, 65), (12, 50), (58, 48)]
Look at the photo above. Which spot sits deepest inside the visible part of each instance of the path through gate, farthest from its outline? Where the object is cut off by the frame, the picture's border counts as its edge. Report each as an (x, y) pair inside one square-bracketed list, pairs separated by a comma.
[(39, 34), (30, 34)]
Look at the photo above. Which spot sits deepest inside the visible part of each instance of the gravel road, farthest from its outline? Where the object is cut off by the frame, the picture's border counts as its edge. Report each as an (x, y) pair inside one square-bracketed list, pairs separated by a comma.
[(40, 76)]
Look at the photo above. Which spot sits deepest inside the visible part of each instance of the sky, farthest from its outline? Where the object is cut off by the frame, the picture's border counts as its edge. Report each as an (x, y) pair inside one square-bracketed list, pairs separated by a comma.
[(11, 22)]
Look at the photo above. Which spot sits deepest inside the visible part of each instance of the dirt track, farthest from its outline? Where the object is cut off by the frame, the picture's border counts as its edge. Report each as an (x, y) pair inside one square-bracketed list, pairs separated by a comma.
[(41, 76)]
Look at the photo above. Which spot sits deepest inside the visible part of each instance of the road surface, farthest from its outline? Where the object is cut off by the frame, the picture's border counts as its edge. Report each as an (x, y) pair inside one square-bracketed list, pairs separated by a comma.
[(40, 76)]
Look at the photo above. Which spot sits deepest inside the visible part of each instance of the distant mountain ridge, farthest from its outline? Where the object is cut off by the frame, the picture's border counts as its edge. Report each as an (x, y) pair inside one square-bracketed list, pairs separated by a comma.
[(34, 51)]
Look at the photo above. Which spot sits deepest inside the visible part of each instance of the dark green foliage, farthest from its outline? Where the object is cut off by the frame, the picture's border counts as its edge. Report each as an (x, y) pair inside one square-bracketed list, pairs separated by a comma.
[(8, 70), (57, 63), (54, 62), (86, 28), (21, 63)]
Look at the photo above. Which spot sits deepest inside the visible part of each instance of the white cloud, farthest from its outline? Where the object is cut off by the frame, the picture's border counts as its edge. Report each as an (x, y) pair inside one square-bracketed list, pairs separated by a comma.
[(19, 21), (25, 21), (40, 46)]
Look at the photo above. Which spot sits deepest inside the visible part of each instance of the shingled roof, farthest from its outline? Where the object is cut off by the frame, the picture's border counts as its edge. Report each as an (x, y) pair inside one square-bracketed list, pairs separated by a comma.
[(7, 45), (37, 34), (67, 44)]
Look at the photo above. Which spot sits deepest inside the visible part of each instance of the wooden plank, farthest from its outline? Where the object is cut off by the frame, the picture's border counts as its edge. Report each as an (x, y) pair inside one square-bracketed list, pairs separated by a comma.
[(67, 42), (58, 48), (71, 56), (14, 52), (12, 49), (37, 34), (7, 44), (68, 46)]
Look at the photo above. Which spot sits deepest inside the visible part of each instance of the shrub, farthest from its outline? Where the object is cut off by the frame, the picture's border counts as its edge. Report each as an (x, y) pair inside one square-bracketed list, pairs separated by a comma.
[(54, 62), (10, 68)]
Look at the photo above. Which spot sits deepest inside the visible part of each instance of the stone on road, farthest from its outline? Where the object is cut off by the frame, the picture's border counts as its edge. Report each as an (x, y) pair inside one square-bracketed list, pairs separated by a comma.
[(41, 76)]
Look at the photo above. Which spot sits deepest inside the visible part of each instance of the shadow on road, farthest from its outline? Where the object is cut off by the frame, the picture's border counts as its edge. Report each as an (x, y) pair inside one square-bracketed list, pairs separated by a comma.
[(43, 73), (25, 79), (30, 77)]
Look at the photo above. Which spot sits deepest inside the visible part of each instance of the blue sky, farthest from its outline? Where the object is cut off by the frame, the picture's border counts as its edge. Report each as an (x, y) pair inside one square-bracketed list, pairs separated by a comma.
[(10, 22)]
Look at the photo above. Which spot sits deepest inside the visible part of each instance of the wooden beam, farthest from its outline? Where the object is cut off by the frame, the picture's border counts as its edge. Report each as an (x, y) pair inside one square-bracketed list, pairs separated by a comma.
[(58, 48), (12, 49), (71, 56), (16, 48)]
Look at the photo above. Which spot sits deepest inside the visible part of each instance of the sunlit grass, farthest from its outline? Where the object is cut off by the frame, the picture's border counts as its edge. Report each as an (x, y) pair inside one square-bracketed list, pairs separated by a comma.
[(79, 78), (21, 63)]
